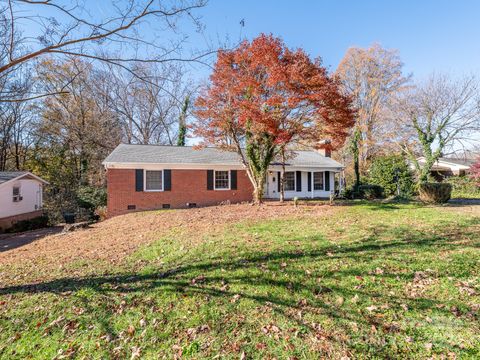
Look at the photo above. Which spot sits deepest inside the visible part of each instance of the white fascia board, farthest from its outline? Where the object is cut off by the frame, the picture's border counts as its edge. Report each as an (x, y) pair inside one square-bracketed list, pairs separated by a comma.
[(28, 174), (306, 168), (155, 166), (452, 165), (446, 164)]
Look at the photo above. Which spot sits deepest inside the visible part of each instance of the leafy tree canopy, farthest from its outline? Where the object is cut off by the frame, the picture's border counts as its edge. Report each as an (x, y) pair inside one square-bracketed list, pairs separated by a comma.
[(264, 96)]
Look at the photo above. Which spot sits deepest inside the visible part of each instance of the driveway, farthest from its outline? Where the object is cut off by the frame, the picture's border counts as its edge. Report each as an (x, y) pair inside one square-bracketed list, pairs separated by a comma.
[(12, 241), (464, 201)]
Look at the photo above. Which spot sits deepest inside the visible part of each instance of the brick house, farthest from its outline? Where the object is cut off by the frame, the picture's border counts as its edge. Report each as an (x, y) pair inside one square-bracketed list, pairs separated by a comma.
[(147, 177), (21, 197)]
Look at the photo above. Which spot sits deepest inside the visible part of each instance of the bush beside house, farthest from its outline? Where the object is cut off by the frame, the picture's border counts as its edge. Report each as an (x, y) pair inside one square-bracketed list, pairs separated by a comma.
[(438, 193), (393, 175), (92, 198), (464, 187)]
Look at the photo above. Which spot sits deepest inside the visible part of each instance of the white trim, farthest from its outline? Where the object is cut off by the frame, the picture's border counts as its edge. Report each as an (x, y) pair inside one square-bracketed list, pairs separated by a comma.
[(307, 168), (145, 180), (312, 183), (35, 177), (229, 180), (161, 166), (447, 163)]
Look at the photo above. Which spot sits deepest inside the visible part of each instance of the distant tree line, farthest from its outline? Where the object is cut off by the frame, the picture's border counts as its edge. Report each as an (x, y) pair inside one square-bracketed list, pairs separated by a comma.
[(82, 84), (75, 85), (396, 114)]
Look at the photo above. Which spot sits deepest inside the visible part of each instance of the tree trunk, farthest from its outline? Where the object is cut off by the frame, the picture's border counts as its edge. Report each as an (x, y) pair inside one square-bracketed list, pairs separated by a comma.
[(17, 156), (282, 183), (282, 178), (354, 146), (258, 191), (357, 171)]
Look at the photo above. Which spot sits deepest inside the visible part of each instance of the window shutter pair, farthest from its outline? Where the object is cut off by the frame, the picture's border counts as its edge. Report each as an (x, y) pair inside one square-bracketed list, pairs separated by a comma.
[(233, 179), (167, 180)]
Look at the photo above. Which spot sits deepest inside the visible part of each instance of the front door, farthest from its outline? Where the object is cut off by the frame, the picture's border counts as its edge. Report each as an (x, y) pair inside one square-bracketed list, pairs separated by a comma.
[(272, 185)]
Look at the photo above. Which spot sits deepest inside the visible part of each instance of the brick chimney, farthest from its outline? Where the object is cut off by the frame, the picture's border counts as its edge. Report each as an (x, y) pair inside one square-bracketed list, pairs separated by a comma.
[(324, 148)]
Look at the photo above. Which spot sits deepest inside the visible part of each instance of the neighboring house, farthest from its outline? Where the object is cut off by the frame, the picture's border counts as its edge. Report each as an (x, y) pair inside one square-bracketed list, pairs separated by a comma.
[(21, 197), (446, 167), (144, 177)]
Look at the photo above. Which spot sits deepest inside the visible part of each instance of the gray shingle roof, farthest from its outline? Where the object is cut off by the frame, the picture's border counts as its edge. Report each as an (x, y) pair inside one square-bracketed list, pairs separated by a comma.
[(162, 154), (10, 175)]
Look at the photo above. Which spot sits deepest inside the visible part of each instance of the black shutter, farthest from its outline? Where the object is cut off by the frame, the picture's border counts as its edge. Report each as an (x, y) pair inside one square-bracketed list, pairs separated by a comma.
[(167, 178), (279, 174), (138, 179), (327, 180), (233, 180), (309, 181), (209, 179), (299, 181)]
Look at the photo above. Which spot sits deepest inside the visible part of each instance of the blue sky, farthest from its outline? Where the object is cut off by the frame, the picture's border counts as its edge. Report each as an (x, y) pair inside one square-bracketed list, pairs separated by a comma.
[(431, 35)]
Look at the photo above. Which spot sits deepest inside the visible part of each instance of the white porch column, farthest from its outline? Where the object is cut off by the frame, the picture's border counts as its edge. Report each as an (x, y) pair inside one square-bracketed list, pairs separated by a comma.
[(341, 180), (311, 185)]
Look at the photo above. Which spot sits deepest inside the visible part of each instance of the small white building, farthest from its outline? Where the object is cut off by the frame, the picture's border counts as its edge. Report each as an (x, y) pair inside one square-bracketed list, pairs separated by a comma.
[(21, 197), (446, 167)]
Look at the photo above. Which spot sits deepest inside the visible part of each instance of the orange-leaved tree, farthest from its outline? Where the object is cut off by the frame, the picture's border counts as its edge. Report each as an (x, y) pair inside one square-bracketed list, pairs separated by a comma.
[(263, 98)]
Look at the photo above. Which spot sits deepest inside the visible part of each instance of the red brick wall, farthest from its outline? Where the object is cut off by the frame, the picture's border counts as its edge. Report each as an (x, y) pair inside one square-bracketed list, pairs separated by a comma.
[(188, 186), (7, 222)]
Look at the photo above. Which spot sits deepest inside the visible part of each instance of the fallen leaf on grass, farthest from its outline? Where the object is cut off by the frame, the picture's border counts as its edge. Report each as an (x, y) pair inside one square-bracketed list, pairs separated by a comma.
[(260, 346), (131, 330), (198, 280), (135, 352), (302, 302)]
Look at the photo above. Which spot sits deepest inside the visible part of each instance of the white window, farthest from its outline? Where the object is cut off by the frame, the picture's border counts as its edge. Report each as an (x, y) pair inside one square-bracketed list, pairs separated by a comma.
[(318, 181), (16, 194), (153, 180), (222, 180), (289, 183)]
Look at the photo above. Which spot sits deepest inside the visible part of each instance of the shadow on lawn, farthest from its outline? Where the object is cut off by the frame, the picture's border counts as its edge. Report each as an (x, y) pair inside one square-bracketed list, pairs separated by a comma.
[(320, 299)]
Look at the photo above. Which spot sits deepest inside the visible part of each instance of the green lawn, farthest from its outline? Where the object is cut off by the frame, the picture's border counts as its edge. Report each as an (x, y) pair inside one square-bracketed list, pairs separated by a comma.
[(372, 281)]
